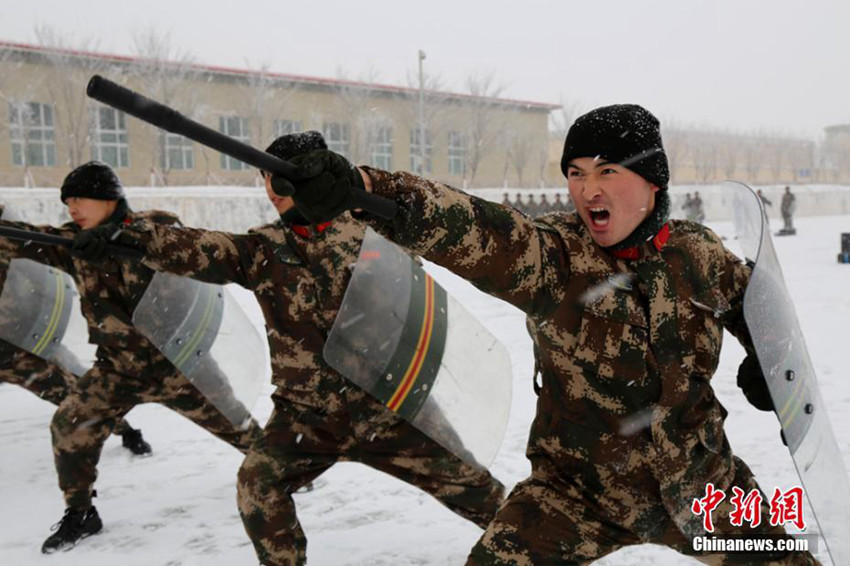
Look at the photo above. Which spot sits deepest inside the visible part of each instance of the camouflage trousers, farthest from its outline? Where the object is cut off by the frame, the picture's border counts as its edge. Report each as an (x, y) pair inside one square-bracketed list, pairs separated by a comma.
[(116, 384), (549, 519), (299, 443), (46, 380)]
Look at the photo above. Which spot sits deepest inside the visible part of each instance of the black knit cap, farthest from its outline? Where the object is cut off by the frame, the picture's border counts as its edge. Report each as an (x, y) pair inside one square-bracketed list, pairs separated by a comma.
[(94, 180), (626, 134), (288, 146)]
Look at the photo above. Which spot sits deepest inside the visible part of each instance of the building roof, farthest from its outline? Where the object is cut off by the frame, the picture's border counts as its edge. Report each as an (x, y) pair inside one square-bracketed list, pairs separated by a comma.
[(838, 129), (223, 71)]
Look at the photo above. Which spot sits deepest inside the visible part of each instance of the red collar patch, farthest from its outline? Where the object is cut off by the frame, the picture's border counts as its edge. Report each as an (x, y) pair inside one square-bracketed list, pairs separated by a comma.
[(634, 252), (306, 232)]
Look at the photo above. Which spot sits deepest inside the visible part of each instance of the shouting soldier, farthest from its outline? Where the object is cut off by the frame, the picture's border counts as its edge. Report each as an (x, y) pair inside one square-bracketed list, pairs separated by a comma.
[(627, 310)]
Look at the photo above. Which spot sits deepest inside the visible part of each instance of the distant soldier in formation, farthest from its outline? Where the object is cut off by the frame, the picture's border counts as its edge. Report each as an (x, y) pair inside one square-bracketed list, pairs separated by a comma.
[(788, 207), (506, 200), (558, 205), (544, 206), (531, 207), (518, 204)]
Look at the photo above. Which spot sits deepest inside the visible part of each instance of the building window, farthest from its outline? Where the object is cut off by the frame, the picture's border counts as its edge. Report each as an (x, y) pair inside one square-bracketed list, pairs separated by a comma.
[(32, 134), (109, 137), (284, 127), (336, 136), (381, 148), (177, 152), (457, 153), (415, 156), (236, 128)]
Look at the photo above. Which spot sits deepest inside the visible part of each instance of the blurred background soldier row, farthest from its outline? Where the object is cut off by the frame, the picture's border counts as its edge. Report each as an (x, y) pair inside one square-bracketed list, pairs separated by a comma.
[(535, 208)]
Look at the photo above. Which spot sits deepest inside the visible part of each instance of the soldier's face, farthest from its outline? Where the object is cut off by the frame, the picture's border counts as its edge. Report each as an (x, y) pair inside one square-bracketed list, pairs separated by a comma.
[(611, 200), (88, 213), (281, 204)]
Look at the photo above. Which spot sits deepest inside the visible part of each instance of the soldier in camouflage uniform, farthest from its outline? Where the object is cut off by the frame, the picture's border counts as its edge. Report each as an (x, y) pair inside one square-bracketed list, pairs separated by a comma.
[(626, 311), (299, 273), (544, 207), (129, 369), (50, 381), (558, 205), (518, 204)]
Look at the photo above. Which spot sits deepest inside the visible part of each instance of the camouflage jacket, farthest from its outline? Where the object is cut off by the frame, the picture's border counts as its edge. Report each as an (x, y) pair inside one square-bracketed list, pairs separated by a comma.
[(299, 282), (109, 290), (625, 348)]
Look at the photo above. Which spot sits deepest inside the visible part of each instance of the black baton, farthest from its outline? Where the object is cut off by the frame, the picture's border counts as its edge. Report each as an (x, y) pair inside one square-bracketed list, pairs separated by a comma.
[(170, 120), (114, 250)]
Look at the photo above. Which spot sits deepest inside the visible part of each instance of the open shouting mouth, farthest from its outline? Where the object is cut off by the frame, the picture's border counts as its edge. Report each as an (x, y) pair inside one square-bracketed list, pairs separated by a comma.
[(599, 216)]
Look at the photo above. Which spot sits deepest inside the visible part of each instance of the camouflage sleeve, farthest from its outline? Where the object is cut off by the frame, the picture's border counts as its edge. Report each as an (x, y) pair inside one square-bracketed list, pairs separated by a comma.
[(205, 255), (54, 256), (495, 247)]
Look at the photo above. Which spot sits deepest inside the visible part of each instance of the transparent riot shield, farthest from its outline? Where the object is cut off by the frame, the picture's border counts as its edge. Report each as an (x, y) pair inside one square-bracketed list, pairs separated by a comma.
[(206, 335), (403, 339), (790, 375), (40, 313)]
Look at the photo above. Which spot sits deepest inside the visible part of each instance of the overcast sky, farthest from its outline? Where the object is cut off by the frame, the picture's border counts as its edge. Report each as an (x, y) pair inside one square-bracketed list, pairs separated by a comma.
[(777, 65)]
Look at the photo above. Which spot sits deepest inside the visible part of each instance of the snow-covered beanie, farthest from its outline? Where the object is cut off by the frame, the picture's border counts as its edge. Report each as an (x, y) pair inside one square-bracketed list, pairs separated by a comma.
[(626, 134), (288, 146), (94, 180)]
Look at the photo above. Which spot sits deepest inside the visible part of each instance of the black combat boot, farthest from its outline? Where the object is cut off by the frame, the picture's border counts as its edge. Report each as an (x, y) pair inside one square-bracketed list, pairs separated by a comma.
[(132, 440), (74, 527)]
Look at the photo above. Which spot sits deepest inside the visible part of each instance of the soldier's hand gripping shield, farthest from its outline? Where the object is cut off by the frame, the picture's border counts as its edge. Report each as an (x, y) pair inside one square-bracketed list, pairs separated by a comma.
[(40, 313), (200, 329), (790, 375), (403, 339)]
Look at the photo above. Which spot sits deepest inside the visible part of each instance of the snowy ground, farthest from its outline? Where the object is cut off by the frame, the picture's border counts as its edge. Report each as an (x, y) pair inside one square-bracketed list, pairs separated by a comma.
[(178, 506)]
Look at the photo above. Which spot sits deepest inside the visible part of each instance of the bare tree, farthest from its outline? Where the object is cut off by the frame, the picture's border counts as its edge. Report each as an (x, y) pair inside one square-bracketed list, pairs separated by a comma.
[(676, 145), (260, 95), (519, 150), (438, 115), (754, 156), (483, 125), (266, 101), (541, 150), (6, 76), (729, 153), (22, 115), (365, 118), (704, 152), (168, 74), (801, 158), (69, 68), (561, 120), (776, 151), (834, 158)]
